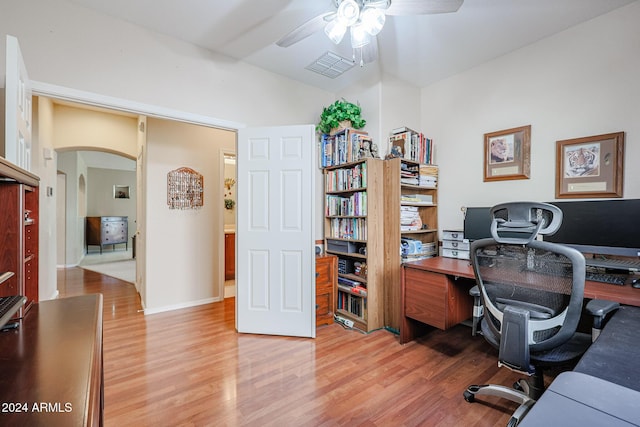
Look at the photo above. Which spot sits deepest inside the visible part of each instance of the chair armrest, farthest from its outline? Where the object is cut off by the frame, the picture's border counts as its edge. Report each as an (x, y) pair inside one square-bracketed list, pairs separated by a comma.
[(600, 309)]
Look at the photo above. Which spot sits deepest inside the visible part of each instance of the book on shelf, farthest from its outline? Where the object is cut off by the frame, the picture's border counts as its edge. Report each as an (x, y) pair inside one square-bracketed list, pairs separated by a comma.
[(353, 304), (353, 205), (341, 148), (353, 178), (348, 228), (410, 218), (413, 145), (417, 199)]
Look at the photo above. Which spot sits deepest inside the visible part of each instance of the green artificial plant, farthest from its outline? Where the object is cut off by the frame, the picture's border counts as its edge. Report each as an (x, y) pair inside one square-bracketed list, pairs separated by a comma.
[(340, 111)]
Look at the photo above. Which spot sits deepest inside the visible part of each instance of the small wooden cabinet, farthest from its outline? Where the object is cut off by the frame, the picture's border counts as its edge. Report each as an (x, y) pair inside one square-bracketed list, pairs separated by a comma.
[(434, 299), (326, 278), (19, 217), (229, 256), (107, 230)]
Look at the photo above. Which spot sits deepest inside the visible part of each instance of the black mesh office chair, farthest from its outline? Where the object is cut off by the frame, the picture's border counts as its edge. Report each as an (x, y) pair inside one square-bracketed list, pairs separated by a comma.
[(532, 295)]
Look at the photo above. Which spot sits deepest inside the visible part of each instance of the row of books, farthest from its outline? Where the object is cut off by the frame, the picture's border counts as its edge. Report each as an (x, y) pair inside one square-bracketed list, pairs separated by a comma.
[(354, 205), (343, 147), (353, 304), (348, 228), (413, 145), (353, 178)]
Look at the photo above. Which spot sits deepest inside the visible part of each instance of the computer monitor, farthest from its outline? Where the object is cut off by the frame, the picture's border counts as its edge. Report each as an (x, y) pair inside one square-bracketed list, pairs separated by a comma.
[(603, 227), (477, 223)]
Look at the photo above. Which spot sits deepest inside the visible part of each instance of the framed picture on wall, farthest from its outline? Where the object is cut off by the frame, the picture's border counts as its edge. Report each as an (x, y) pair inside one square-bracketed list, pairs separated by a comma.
[(507, 154), (590, 167), (120, 191)]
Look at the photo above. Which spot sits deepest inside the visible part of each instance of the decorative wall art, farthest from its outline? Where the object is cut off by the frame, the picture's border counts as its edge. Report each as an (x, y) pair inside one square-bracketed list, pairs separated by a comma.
[(590, 167), (120, 191), (185, 189), (229, 201), (507, 154)]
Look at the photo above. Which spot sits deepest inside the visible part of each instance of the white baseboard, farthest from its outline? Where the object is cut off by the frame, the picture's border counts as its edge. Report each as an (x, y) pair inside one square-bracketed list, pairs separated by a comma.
[(180, 306)]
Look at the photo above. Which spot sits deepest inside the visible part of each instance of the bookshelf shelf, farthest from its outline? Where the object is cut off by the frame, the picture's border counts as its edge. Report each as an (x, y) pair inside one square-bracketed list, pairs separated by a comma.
[(415, 221), (355, 205)]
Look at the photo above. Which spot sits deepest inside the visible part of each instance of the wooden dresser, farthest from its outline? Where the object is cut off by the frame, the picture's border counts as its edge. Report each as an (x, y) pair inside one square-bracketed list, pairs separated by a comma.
[(51, 365), (107, 230), (326, 278)]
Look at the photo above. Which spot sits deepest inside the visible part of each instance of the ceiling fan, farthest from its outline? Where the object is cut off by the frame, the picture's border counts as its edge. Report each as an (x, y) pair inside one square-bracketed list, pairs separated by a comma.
[(364, 19)]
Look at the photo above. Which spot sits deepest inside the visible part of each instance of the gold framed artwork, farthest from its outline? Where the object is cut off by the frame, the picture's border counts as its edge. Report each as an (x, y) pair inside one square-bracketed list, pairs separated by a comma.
[(507, 154), (590, 167)]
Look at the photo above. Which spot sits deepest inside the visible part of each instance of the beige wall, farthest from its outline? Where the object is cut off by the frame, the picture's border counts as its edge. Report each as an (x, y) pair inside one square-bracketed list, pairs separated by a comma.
[(183, 247), (88, 129), (581, 82)]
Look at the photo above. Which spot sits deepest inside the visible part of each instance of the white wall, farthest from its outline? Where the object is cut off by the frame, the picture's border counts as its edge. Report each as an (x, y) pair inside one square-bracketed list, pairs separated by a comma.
[(582, 82), (183, 246), (66, 45)]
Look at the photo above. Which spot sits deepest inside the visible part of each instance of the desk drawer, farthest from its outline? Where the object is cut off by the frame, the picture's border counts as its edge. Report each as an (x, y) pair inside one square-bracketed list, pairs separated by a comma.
[(426, 297)]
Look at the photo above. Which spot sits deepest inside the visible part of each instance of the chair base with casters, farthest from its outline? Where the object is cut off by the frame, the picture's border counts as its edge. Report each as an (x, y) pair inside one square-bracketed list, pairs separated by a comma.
[(528, 300), (526, 391)]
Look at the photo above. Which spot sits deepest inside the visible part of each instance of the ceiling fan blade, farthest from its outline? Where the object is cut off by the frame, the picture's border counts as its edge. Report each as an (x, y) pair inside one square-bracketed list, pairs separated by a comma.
[(423, 7), (305, 30), (370, 51)]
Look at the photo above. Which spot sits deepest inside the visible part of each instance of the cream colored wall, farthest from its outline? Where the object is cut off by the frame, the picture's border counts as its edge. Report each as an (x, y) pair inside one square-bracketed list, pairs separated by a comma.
[(47, 170), (581, 82), (88, 129), (183, 245), (117, 60)]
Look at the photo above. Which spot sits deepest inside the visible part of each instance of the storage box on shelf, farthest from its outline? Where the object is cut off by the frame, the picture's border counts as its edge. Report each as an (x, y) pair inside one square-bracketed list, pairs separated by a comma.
[(454, 245), (354, 232)]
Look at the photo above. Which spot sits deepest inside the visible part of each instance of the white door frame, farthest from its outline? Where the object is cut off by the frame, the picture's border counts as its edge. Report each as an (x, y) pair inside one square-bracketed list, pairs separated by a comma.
[(221, 244), (119, 104)]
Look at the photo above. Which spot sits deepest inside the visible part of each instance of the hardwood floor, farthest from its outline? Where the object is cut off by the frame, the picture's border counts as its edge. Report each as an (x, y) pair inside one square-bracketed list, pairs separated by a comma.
[(190, 367)]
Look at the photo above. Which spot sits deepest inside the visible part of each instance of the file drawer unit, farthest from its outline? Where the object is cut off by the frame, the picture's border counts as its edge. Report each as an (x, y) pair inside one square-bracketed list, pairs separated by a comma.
[(107, 230), (454, 245)]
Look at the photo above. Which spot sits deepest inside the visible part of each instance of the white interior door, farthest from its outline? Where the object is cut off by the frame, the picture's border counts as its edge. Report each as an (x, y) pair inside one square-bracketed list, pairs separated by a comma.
[(275, 256), (17, 148)]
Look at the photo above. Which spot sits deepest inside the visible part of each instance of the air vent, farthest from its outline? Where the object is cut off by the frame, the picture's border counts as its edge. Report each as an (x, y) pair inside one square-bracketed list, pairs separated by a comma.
[(330, 65)]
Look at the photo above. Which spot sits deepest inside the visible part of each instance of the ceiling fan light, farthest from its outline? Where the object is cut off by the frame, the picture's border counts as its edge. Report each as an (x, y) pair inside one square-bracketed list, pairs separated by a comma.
[(373, 20), (348, 12), (335, 31), (359, 36)]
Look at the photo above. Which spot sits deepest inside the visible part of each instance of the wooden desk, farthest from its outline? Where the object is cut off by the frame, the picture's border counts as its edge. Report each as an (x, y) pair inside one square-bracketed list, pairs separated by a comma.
[(444, 274), (51, 366)]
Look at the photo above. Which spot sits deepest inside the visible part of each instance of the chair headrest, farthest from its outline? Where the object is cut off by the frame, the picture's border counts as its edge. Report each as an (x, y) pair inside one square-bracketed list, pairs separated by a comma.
[(521, 222)]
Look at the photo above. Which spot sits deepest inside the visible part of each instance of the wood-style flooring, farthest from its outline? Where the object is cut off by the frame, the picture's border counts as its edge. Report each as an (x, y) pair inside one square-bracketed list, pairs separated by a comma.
[(189, 367)]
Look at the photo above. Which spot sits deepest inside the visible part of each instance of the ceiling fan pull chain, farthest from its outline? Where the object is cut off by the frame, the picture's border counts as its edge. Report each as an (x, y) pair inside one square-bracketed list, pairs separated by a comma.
[(361, 61)]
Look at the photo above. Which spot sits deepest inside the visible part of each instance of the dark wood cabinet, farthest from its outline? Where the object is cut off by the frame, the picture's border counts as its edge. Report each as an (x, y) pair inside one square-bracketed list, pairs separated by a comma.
[(229, 256), (19, 233), (326, 278), (107, 230), (54, 358)]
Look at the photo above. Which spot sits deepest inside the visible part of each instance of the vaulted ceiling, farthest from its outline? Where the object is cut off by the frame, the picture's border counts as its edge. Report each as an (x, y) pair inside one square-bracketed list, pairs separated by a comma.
[(420, 49)]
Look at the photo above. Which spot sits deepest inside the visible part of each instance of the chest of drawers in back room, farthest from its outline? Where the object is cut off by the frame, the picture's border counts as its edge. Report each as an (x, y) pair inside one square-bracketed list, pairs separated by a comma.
[(106, 230)]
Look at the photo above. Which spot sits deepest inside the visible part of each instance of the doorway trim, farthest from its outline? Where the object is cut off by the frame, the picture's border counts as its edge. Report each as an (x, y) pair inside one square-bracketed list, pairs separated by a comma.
[(141, 109), (104, 101)]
